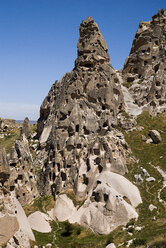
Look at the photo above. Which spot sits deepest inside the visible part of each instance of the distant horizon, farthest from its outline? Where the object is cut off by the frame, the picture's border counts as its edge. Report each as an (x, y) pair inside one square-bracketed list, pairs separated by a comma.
[(31, 121), (39, 44)]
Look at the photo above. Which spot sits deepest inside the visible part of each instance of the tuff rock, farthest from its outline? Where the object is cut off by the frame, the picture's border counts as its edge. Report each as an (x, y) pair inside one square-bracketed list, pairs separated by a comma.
[(155, 136), (25, 129), (144, 69), (79, 141), (77, 119), (14, 225)]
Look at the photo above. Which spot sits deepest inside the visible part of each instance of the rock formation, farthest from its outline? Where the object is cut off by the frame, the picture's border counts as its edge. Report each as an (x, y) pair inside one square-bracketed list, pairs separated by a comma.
[(25, 129), (14, 225), (22, 172), (145, 68), (79, 141), (78, 115)]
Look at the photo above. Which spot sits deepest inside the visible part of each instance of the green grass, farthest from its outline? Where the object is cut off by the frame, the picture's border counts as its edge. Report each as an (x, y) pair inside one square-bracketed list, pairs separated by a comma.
[(72, 196), (42, 203), (149, 153), (127, 84), (9, 141), (163, 194), (148, 156), (66, 235)]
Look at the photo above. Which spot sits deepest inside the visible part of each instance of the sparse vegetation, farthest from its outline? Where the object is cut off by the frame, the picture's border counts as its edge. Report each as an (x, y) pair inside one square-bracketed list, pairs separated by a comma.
[(127, 84), (8, 141), (148, 156), (71, 195), (163, 194), (138, 242), (42, 203)]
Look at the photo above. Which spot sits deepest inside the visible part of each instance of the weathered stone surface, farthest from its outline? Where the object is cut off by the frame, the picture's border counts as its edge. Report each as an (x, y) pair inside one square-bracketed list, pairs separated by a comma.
[(145, 67), (111, 202), (22, 172), (4, 167), (92, 48), (39, 222), (14, 225), (79, 142), (8, 227), (155, 135), (111, 245), (26, 129), (77, 119)]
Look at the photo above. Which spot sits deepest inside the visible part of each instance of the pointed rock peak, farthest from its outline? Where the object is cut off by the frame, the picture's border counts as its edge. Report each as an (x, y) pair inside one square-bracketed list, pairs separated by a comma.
[(92, 48), (159, 17)]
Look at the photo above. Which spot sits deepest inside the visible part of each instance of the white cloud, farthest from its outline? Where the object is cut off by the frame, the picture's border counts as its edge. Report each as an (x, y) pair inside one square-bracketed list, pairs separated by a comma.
[(19, 111)]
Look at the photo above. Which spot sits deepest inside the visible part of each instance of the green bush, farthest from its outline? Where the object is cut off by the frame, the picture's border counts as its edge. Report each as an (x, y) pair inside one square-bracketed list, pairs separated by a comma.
[(68, 229), (109, 240), (138, 242)]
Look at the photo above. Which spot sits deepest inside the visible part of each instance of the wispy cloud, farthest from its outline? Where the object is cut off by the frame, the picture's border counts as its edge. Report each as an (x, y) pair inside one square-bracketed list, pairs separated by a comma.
[(19, 111)]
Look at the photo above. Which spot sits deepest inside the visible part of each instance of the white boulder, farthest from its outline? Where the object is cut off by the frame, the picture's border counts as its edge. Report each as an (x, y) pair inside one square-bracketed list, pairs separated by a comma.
[(39, 222)]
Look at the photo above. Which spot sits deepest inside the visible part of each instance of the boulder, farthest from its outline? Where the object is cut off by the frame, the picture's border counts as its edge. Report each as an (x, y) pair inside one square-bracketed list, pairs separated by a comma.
[(8, 227), (155, 136), (39, 222), (113, 204), (111, 245), (64, 208)]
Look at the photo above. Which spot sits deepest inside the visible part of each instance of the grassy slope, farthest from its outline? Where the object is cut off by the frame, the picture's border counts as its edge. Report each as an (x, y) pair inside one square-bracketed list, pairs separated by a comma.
[(66, 235), (148, 156), (9, 141)]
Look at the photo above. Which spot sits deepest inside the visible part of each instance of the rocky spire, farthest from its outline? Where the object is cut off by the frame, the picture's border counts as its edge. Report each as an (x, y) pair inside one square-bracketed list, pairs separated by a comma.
[(92, 48), (145, 67)]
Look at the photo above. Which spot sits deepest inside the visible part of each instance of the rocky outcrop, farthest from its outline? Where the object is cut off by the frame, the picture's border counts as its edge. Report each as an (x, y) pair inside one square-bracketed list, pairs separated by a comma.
[(4, 168), (14, 223), (22, 172), (77, 120), (111, 202), (26, 129), (144, 69), (79, 141)]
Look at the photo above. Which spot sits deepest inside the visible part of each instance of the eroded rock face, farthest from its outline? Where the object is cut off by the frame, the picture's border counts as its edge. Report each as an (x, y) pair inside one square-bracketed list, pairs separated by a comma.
[(14, 226), (26, 129), (111, 202), (22, 172), (77, 120), (145, 67), (4, 167)]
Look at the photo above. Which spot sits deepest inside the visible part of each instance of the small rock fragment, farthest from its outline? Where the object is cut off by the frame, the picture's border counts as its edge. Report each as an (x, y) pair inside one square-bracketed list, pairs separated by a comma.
[(152, 207), (150, 179), (155, 135)]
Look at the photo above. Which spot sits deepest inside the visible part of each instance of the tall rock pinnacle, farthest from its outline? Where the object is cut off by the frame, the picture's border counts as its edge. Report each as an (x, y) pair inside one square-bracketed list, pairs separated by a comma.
[(78, 138), (92, 48), (145, 67)]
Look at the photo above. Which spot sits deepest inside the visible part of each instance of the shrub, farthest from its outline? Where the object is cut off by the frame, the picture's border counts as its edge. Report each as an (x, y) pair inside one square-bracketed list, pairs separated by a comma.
[(68, 229), (138, 242), (109, 240)]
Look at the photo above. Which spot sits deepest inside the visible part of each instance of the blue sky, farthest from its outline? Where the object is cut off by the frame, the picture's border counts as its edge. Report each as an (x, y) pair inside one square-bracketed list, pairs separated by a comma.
[(38, 40)]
